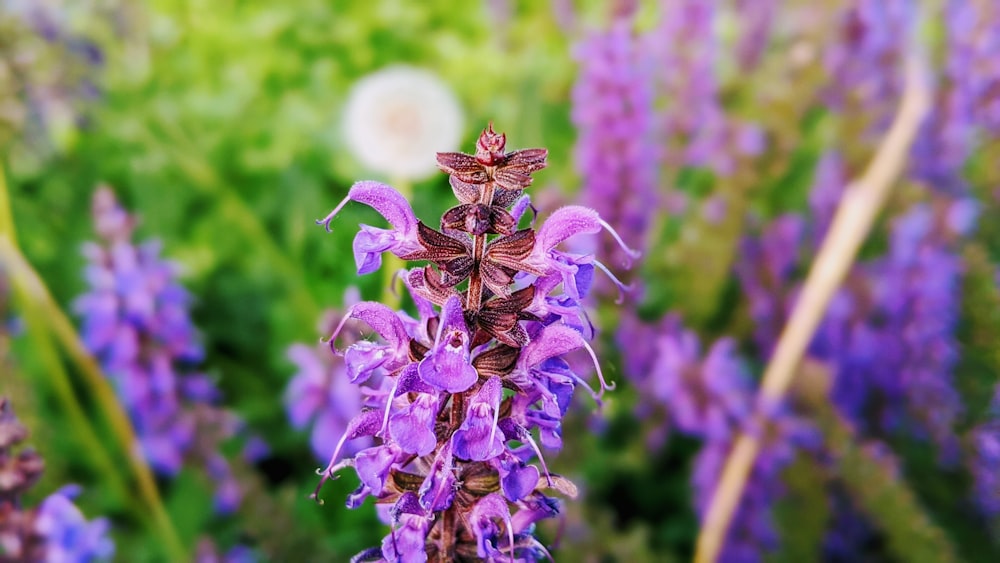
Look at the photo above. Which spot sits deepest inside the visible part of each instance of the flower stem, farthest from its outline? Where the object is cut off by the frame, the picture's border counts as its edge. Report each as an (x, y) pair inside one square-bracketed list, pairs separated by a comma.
[(474, 295)]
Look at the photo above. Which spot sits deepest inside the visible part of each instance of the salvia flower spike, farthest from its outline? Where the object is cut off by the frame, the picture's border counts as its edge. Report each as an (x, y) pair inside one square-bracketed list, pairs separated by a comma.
[(455, 394)]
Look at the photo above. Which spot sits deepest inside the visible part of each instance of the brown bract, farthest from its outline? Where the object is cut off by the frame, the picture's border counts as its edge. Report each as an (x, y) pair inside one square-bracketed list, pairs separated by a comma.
[(498, 318)]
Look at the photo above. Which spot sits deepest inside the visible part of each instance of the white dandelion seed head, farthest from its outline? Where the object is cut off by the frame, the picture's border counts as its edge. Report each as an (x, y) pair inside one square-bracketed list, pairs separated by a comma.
[(398, 117)]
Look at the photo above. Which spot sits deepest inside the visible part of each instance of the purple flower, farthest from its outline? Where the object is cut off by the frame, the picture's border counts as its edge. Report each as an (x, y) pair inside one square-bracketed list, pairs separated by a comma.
[(413, 425), (68, 535), (984, 463), (864, 59), (478, 438), (705, 397), (447, 364), (464, 386), (136, 323), (696, 130), (56, 530), (320, 395), (615, 152), (752, 532), (371, 242)]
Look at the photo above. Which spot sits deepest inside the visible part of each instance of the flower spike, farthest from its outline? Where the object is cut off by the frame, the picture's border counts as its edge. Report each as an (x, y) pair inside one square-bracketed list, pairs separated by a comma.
[(456, 392)]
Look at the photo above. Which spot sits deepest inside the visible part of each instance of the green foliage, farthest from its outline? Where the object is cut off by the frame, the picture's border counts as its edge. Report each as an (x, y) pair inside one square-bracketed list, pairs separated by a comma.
[(803, 514)]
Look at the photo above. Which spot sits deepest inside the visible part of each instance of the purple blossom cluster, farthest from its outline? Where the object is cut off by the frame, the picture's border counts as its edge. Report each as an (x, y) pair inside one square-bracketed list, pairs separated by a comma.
[(695, 128), (967, 104), (471, 380), (54, 531), (984, 462), (889, 335), (136, 323), (709, 397), (863, 61), (612, 110)]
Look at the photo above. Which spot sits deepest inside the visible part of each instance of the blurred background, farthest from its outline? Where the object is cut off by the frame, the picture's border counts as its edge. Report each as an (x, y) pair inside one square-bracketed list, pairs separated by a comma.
[(716, 136)]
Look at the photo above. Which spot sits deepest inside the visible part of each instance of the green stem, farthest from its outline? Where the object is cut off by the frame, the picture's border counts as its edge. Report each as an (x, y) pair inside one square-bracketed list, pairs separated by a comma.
[(33, 288)]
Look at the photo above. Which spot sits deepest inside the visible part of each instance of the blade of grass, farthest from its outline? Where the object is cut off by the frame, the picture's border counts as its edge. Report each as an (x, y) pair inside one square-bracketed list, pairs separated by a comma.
[(28, 281), (55, 373)]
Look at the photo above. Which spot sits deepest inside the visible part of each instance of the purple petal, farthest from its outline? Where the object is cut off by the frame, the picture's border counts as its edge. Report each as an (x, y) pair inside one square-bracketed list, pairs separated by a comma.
[(384, 199), (489, 508), (478, 439), (554, 340), (407, 543), (372, 466), (413, 426), (564, 223), (384, 321), (438, 489), (363, 358), (517, 479), (370, 242), (448, 365)]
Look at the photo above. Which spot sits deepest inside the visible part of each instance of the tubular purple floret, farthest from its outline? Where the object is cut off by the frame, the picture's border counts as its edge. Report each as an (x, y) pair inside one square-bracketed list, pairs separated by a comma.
[(494, 505)]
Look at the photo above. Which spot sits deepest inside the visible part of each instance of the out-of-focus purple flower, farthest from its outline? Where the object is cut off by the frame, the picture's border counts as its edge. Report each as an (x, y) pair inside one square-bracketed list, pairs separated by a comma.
[(56, 530), (68, 534), (464, 387), (752, 533), (208, 552), (695, 125), (756, 21), (705, 397), (616, 153), (984, 463), (710, 397), (915, 292), (828, 186), (136, 323), (864, 59), (889, 334), (766, 268), (967, 103), (48, 70), (320, 395)]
